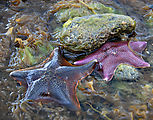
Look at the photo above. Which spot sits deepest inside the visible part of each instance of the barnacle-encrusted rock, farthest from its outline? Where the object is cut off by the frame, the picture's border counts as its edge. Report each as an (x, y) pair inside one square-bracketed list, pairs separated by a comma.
[(90, 32), (65, 10), (126, 72)]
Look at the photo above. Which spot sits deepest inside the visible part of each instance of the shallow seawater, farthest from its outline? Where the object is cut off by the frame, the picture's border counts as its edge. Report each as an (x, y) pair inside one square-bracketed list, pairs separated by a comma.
[(115, 100)]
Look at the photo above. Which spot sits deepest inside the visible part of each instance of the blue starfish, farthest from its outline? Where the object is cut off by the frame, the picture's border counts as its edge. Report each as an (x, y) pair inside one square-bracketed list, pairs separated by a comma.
[(53, 80)]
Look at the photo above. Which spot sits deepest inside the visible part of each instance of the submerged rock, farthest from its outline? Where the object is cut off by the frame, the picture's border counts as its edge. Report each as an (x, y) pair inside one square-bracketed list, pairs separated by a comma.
[(90, 32), (126, 72), (65, 10), (30, 40)]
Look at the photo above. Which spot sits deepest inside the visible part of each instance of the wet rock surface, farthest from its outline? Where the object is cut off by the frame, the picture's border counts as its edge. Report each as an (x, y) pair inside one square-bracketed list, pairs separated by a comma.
[(126, 72), (122, 98), (90, 32)]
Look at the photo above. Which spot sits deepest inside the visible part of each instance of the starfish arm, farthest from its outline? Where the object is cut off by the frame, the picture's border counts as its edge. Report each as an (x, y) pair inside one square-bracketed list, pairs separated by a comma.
[(59, 91), (24, 77), (136, 61), (138, 46), (127, 57), (47, 89), (36, 89), (86, 59), (94, 56), (71, 75), (56, 60)]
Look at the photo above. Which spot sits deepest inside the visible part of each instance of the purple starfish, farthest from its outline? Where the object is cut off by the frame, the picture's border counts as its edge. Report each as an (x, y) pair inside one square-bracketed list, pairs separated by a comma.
[(112, 54)]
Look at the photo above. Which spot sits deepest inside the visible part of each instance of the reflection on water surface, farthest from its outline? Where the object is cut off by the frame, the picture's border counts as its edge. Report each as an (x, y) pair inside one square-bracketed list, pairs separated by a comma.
[(118, 99)]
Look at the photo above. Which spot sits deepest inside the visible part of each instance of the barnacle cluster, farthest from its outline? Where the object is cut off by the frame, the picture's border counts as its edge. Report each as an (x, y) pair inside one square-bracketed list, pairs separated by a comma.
[(90, 32)]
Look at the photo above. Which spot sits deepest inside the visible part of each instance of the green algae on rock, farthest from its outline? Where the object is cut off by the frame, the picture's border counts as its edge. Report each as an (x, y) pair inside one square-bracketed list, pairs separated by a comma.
[(28, 56), (88, 33), (70, 10), (30, 40), (126, 72)]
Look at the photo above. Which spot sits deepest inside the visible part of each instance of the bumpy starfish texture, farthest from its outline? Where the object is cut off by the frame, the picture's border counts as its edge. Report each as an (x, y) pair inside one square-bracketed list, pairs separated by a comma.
[(53, 80), (112, 54)]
